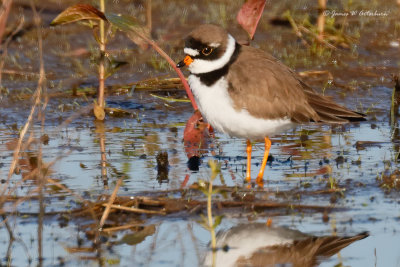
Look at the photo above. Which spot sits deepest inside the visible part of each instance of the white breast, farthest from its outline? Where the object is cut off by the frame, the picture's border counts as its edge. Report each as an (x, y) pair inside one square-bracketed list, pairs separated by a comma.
[(216, 106)]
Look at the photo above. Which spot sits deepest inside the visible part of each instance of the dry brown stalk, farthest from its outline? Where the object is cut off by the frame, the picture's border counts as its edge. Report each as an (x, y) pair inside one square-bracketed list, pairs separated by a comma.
[(304, 29), (296, 28), (122, 227), (19, 72), (103, 159), (19, 201), (321, 19), (88, 203), (109, 204), (316, 72), (80, 249), (100, 96), (5, 52), (37, 99), (136, 210), (37, 96), (148, 15), (34, 173), (4, 11), (168, 205), (148, 201), (42, 93)]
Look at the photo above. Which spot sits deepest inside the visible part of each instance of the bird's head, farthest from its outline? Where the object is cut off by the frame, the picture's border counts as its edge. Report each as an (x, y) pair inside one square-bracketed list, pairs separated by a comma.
[(208, 47)]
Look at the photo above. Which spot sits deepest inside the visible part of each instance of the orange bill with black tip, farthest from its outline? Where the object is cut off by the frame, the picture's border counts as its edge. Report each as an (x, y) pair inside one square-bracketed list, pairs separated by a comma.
[(185, 62)]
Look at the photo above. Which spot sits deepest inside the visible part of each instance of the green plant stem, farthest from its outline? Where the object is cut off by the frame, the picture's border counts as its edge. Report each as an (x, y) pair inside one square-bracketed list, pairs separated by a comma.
[(210, 222), (100, 94)]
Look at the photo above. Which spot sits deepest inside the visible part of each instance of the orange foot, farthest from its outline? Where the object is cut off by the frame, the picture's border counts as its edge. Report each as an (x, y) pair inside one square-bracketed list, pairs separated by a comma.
[(259, 179)]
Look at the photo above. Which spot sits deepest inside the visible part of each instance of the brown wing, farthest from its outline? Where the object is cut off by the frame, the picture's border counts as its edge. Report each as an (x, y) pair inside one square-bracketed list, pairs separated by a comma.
[(328, 110), (269, 89), (306, 252)]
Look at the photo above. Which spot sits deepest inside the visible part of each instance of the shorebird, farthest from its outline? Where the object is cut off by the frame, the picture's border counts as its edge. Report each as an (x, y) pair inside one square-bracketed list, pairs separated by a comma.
[(245, 92), (260, 245)]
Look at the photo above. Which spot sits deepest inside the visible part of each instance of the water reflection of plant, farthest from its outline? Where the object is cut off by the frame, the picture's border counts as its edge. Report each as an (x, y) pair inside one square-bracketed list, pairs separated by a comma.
[(210, 223)]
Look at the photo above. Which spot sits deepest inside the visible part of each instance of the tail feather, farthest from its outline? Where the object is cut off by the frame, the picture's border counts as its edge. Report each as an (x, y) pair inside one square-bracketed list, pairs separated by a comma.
[(332, 245), (329, 111)]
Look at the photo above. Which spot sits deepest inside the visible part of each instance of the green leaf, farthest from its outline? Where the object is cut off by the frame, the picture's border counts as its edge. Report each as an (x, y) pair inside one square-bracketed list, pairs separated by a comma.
[(113, 261), (215, 191), (123, 22), (138, 34), (217, 221), (215, 168), (113, 66), (138, 237), (204, 222), (204, 191), (77, 13), (126, 167), (204, 218)]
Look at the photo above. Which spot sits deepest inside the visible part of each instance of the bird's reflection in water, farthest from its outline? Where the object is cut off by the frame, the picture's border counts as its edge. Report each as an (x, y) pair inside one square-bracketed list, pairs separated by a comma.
[(260, 245)]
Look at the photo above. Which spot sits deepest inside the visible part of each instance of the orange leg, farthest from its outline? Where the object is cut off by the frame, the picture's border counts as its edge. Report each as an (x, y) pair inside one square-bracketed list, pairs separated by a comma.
[(248, 172), (260, 175)]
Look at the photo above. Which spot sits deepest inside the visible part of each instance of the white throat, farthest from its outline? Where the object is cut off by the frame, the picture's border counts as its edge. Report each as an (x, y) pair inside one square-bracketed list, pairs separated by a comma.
[(203, 66)]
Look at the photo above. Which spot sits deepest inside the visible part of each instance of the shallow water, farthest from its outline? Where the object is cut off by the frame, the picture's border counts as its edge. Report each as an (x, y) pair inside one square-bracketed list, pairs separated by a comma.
[(297, 171)]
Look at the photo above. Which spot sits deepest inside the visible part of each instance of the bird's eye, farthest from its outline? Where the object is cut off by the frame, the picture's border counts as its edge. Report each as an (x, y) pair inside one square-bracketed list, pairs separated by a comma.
[(206, 51)]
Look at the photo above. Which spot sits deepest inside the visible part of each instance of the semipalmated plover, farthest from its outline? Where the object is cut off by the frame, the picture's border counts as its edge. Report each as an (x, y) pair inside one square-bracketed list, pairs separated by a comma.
[(245, 92)]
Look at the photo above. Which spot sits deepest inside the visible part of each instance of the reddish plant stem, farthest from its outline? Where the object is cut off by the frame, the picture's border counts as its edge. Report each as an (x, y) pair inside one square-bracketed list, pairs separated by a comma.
[(177, 70), (5, 10), (321, 19), (173, 64), (100, 96)]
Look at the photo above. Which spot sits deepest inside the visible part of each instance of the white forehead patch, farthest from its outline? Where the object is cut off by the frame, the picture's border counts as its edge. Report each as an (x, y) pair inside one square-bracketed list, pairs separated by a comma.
[(215, 45), (191, 52)]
